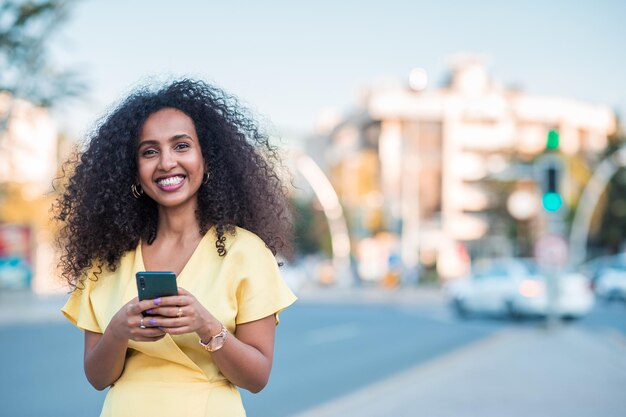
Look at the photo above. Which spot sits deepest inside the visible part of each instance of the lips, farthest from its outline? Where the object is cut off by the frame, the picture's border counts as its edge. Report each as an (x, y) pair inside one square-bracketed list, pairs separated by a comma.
[(170, 183)]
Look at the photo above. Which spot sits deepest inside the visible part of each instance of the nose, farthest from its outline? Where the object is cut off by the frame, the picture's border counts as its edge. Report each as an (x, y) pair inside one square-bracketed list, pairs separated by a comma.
[(167, 160)]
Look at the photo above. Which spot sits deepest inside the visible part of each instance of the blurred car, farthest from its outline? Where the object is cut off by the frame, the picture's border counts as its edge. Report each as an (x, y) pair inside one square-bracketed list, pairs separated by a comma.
[(611, 283), (595, 267), (516, 287), (602, 265), (15, 273)]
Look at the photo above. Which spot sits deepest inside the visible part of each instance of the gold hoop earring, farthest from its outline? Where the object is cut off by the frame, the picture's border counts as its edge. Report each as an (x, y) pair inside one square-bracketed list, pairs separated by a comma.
[(136, 191), (205, 178)]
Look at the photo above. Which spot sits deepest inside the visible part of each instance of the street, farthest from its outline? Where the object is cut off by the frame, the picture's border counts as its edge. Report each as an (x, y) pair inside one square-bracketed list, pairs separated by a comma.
[(324, 351)]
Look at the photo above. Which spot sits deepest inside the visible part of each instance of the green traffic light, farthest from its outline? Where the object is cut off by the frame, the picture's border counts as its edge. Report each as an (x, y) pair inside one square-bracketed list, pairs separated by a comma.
[(553, 140), (552, 201)]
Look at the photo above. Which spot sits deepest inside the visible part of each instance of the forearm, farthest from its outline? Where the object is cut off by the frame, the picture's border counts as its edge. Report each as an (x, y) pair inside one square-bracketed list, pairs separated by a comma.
[(104, 361), (246, 356), (242, 364)]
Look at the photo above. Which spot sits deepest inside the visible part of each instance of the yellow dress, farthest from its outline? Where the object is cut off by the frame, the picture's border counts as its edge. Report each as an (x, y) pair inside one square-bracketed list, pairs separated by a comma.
[(175, 376)]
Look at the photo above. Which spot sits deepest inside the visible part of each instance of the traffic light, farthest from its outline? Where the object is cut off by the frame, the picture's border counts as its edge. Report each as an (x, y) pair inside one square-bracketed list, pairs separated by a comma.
[(550, 169), (552, 142), (551, 199)]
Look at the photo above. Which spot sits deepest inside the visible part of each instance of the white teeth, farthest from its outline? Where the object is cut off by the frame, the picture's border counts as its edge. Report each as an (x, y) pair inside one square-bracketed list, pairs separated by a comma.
[(170, 181)]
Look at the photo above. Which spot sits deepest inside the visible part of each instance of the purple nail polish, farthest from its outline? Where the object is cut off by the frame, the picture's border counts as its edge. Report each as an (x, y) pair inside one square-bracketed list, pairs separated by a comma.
[(149, 312), (162, 329), (152, 322), (156, 301)]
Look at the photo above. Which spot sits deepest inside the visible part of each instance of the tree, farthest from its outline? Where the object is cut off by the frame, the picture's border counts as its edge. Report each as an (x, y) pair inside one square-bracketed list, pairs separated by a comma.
[(612, 231), (310, 229), (26, 71)]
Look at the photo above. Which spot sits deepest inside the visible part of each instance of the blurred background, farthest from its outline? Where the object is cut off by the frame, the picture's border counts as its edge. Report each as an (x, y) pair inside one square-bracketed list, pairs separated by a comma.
[(459, 193)]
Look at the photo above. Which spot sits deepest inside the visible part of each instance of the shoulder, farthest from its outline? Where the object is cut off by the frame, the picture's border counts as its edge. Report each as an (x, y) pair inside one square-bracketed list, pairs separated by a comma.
[(245, 247), (99, 274), (245, 240)]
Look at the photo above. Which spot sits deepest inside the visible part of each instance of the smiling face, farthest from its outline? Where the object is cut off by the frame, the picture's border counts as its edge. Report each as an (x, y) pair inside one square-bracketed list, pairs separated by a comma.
[(169, 159)]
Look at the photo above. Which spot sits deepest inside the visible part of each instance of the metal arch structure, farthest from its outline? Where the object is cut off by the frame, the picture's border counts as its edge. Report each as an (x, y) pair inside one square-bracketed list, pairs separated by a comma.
[(588, 201), (337, 224)]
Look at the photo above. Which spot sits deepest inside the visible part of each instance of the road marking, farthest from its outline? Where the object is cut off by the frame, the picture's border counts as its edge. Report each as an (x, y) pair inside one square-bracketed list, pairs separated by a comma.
[(333, 334)]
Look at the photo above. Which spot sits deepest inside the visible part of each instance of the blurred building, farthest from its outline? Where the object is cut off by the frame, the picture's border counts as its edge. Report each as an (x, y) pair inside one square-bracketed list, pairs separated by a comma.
[(437, 167), (29, 153), (28, 147)]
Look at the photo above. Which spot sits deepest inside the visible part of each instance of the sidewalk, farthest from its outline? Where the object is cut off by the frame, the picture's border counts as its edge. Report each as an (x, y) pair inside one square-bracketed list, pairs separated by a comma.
[(516, 373)]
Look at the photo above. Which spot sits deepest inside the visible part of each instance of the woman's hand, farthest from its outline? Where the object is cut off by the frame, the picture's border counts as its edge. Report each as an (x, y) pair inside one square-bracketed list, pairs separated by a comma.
[(129, 323), (183, 313), (246, 357), (105, 354)]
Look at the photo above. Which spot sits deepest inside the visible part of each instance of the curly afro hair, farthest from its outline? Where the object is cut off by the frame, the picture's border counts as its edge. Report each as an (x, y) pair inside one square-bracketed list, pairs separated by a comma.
[(100, 218)]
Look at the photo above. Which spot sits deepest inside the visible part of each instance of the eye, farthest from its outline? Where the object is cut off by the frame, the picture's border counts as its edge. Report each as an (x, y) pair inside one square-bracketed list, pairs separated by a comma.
[(182, 146), (146, 153)]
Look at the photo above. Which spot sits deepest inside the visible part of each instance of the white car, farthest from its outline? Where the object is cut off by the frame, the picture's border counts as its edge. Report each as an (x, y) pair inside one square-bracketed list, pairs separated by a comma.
[(611, 283), (596, 267), (516, 287)]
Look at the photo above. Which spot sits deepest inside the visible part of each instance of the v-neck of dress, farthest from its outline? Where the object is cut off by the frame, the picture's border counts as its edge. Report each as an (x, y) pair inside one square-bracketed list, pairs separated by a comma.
[(189, 261)]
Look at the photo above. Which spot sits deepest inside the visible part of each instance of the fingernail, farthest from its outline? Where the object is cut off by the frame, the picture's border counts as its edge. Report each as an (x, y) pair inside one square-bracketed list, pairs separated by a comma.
[(152, 321), (156, 301), (162, 329), (149, 311)]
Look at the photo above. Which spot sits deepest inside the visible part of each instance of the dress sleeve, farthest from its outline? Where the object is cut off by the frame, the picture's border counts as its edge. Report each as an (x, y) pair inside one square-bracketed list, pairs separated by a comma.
[(78, 308), (261, 290)]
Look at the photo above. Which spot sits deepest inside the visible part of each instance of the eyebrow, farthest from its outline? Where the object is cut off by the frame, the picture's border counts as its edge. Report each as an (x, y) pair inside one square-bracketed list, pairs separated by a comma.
[(173, 138)]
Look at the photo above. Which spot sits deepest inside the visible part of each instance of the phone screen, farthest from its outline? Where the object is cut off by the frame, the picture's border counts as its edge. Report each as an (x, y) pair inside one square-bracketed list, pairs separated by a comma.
[(155, 284)]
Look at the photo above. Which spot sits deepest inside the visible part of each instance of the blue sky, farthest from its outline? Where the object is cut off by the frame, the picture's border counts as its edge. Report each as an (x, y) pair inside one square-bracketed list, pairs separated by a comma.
[(291, 60)]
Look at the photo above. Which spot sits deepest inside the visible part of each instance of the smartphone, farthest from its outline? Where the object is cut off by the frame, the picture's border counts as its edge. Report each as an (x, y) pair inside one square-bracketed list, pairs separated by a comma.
[(155, 284)]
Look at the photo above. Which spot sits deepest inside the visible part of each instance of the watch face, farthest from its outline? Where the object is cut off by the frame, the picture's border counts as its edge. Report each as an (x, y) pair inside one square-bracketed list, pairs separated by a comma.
[(217, 342)]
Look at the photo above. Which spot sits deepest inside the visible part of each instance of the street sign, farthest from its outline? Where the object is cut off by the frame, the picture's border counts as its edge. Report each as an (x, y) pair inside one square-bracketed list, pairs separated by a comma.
[(551, 251)]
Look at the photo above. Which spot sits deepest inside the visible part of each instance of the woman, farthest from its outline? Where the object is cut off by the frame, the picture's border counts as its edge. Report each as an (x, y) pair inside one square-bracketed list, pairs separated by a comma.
[(177, 179)]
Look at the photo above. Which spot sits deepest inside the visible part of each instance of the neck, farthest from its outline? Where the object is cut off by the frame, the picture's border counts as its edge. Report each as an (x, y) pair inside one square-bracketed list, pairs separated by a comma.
[(178, 222)]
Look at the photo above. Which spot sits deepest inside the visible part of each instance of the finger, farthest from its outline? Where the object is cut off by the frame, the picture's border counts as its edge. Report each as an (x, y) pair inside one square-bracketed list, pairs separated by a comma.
[(170, 322), (176, 311), (149, 321), (148, 304), (174, 300), (152, 332), (133, 301), (148, 339), (178, 330), (149, 331), (182, 291), (161, 321), (155, 333), (142, 322), (157, 311), (135, 307)]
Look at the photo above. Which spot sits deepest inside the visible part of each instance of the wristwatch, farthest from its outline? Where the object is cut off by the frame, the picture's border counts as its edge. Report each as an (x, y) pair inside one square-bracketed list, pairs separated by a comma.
[(216, 342)]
